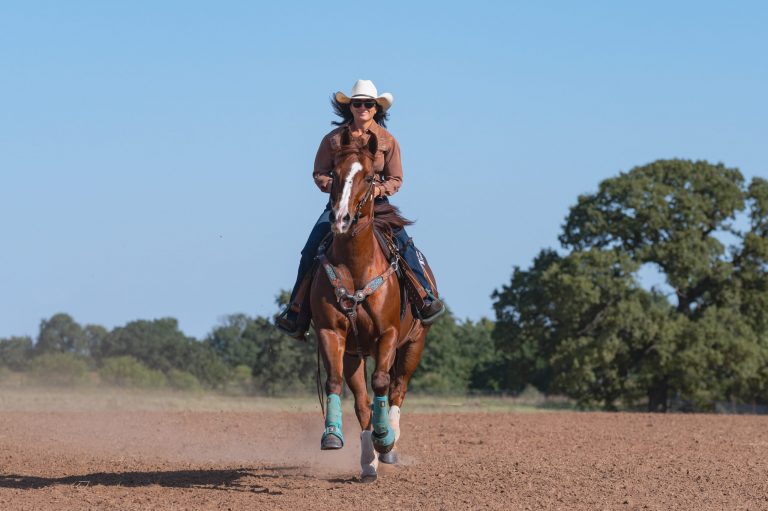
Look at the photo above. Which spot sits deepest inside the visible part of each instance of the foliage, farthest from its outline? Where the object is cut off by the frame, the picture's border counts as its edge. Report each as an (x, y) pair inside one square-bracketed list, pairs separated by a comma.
[(454, 355), (15, 352), (580, 323), (182, 380), (127, 371), (61, 334), (62, 369), (278, 363), (240, 380), (161, 346)]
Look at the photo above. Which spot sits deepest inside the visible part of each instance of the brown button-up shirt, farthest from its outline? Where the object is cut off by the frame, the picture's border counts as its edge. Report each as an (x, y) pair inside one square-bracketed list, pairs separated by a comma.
[(386, 163)]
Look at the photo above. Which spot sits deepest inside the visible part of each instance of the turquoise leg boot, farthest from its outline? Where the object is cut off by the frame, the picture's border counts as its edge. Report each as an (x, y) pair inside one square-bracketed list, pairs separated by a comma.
[(383, 435), (332, 436)]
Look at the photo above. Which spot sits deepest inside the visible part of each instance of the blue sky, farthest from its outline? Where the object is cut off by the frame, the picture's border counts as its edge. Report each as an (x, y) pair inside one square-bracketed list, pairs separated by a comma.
[(155, 157)]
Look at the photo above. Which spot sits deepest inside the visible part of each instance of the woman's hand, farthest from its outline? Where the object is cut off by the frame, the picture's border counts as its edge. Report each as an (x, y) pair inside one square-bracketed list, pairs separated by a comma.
[(324, 182)]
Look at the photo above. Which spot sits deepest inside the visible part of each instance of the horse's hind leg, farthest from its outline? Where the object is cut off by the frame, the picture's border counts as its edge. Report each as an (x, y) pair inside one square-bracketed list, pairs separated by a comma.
[(407, 360), (354, 373)]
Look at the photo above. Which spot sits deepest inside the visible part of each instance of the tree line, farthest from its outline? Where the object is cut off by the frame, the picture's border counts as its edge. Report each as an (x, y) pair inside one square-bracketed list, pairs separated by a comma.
[(577, 322), (242, 354)]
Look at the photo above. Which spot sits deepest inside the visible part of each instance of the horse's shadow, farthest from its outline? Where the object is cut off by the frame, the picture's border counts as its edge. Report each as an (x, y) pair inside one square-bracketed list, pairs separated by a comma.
[(227, 479)]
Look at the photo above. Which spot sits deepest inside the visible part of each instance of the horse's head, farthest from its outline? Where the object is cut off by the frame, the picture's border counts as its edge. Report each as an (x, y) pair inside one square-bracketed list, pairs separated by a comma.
[(353, 181)]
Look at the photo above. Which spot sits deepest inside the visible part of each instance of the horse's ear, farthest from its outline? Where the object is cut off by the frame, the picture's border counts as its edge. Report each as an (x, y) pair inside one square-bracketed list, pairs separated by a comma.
[(373, 144), (345, 138)]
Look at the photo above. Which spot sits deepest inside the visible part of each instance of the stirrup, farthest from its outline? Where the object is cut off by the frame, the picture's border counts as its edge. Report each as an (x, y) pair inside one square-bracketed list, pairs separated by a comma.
[(288, 327), (428, 320)]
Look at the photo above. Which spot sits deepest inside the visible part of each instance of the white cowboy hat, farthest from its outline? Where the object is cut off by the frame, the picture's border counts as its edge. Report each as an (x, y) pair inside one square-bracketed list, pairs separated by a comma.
[(366, 89)]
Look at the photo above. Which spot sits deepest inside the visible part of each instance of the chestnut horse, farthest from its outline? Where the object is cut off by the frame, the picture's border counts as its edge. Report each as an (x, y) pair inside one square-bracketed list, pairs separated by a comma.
[(356, 307)]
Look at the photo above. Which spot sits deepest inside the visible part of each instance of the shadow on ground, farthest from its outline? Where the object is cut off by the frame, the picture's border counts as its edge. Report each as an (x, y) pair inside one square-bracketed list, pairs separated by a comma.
[(230, 479)]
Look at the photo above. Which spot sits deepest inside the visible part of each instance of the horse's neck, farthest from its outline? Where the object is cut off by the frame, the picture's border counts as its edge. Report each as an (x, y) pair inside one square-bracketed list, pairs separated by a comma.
[(357, 253)]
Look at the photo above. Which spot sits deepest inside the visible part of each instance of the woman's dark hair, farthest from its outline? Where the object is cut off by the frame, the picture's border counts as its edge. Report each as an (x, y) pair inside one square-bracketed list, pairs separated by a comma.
[(345, 112)]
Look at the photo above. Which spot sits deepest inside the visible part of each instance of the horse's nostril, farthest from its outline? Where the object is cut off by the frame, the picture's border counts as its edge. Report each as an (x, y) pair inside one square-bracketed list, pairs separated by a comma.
[(346, 218)]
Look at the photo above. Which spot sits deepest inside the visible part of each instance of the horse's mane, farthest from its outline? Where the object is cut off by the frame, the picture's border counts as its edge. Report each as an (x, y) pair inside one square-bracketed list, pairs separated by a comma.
[(387, 218)]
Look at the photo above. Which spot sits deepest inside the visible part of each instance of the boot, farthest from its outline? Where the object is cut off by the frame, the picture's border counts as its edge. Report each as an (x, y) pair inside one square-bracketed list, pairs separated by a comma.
[(432, 309), (428, 305), (294, 320), (289, 323)]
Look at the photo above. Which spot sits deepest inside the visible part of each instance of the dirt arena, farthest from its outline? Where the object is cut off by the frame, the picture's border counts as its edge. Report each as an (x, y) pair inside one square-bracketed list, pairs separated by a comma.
[(107, 454)]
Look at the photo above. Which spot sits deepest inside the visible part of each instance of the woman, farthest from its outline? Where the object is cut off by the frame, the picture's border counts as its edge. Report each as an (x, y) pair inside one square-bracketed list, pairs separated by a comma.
[(364, 113)]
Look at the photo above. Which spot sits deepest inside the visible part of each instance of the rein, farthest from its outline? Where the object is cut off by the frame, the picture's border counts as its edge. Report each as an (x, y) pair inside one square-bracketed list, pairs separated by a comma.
[(358, 211)]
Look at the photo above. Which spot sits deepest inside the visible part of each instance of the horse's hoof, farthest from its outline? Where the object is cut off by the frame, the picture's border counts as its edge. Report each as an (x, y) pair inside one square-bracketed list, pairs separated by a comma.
[(390, 458), (330, 443), (384, 442), (369, 475), (370, 478), (383, 448)]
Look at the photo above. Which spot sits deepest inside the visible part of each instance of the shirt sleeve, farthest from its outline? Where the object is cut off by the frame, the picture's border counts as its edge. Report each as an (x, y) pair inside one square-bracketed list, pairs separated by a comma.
[(393, 170), (323, 165)]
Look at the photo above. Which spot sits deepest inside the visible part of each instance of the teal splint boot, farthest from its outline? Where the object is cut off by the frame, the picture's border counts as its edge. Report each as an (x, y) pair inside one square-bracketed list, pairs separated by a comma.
[(332, 436), (383, 434)]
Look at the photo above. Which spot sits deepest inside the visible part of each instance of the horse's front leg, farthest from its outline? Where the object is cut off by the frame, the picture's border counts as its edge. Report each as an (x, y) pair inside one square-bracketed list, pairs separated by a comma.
[(383, 434), (354, 373), (332, 350)]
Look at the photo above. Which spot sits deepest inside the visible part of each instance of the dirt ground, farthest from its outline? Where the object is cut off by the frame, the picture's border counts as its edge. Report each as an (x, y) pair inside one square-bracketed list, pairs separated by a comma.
[(69, 458)]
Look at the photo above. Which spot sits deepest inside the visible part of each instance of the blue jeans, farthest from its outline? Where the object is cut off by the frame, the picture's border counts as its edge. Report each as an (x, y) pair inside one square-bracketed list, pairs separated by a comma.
[(323, 227)]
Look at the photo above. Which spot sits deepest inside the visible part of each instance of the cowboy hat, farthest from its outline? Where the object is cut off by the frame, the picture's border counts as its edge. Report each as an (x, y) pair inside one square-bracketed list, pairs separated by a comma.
[(366, 89)]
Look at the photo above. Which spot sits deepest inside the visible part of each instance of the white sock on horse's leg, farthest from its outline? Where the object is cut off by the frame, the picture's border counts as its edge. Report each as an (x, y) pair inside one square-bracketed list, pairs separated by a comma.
[(394, 420), (369, 458)]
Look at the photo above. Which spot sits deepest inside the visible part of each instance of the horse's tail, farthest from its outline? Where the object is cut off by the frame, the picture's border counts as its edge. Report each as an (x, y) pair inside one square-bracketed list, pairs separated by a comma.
[(387, 218)]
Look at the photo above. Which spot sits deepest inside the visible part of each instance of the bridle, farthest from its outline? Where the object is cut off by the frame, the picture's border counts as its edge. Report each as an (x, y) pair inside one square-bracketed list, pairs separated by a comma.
[(371, 180), (359, 209)]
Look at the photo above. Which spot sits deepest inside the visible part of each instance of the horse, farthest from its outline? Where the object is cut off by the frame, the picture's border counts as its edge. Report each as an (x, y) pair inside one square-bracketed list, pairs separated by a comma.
[(357, 310)]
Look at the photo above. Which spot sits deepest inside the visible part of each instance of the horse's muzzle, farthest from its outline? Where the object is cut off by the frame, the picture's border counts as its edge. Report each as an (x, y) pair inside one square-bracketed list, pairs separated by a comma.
[(340, 226)]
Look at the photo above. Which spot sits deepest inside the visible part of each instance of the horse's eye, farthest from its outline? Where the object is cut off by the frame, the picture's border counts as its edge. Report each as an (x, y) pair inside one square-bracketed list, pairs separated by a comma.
[(332, 173)]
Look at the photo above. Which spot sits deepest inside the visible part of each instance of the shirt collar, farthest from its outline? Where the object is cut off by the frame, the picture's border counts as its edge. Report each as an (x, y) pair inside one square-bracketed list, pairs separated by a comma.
[(375, 128)]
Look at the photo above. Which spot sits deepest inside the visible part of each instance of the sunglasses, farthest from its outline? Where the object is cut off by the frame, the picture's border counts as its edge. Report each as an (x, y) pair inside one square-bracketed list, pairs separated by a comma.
[(368, 104)]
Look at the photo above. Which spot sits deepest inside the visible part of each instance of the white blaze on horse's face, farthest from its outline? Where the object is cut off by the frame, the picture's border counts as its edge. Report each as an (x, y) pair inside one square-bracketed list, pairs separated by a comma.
[(343, 213)]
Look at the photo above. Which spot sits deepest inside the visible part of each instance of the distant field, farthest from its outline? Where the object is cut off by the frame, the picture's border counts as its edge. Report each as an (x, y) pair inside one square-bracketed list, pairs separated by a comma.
[(89, 398)]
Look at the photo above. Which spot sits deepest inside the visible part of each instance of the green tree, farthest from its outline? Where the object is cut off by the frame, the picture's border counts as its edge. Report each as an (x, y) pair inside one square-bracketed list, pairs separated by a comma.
[(94, 338), (15, 352), (580, 322), (231, 344), (277, 363), (61, 334), (456, 356), (160, 345)]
